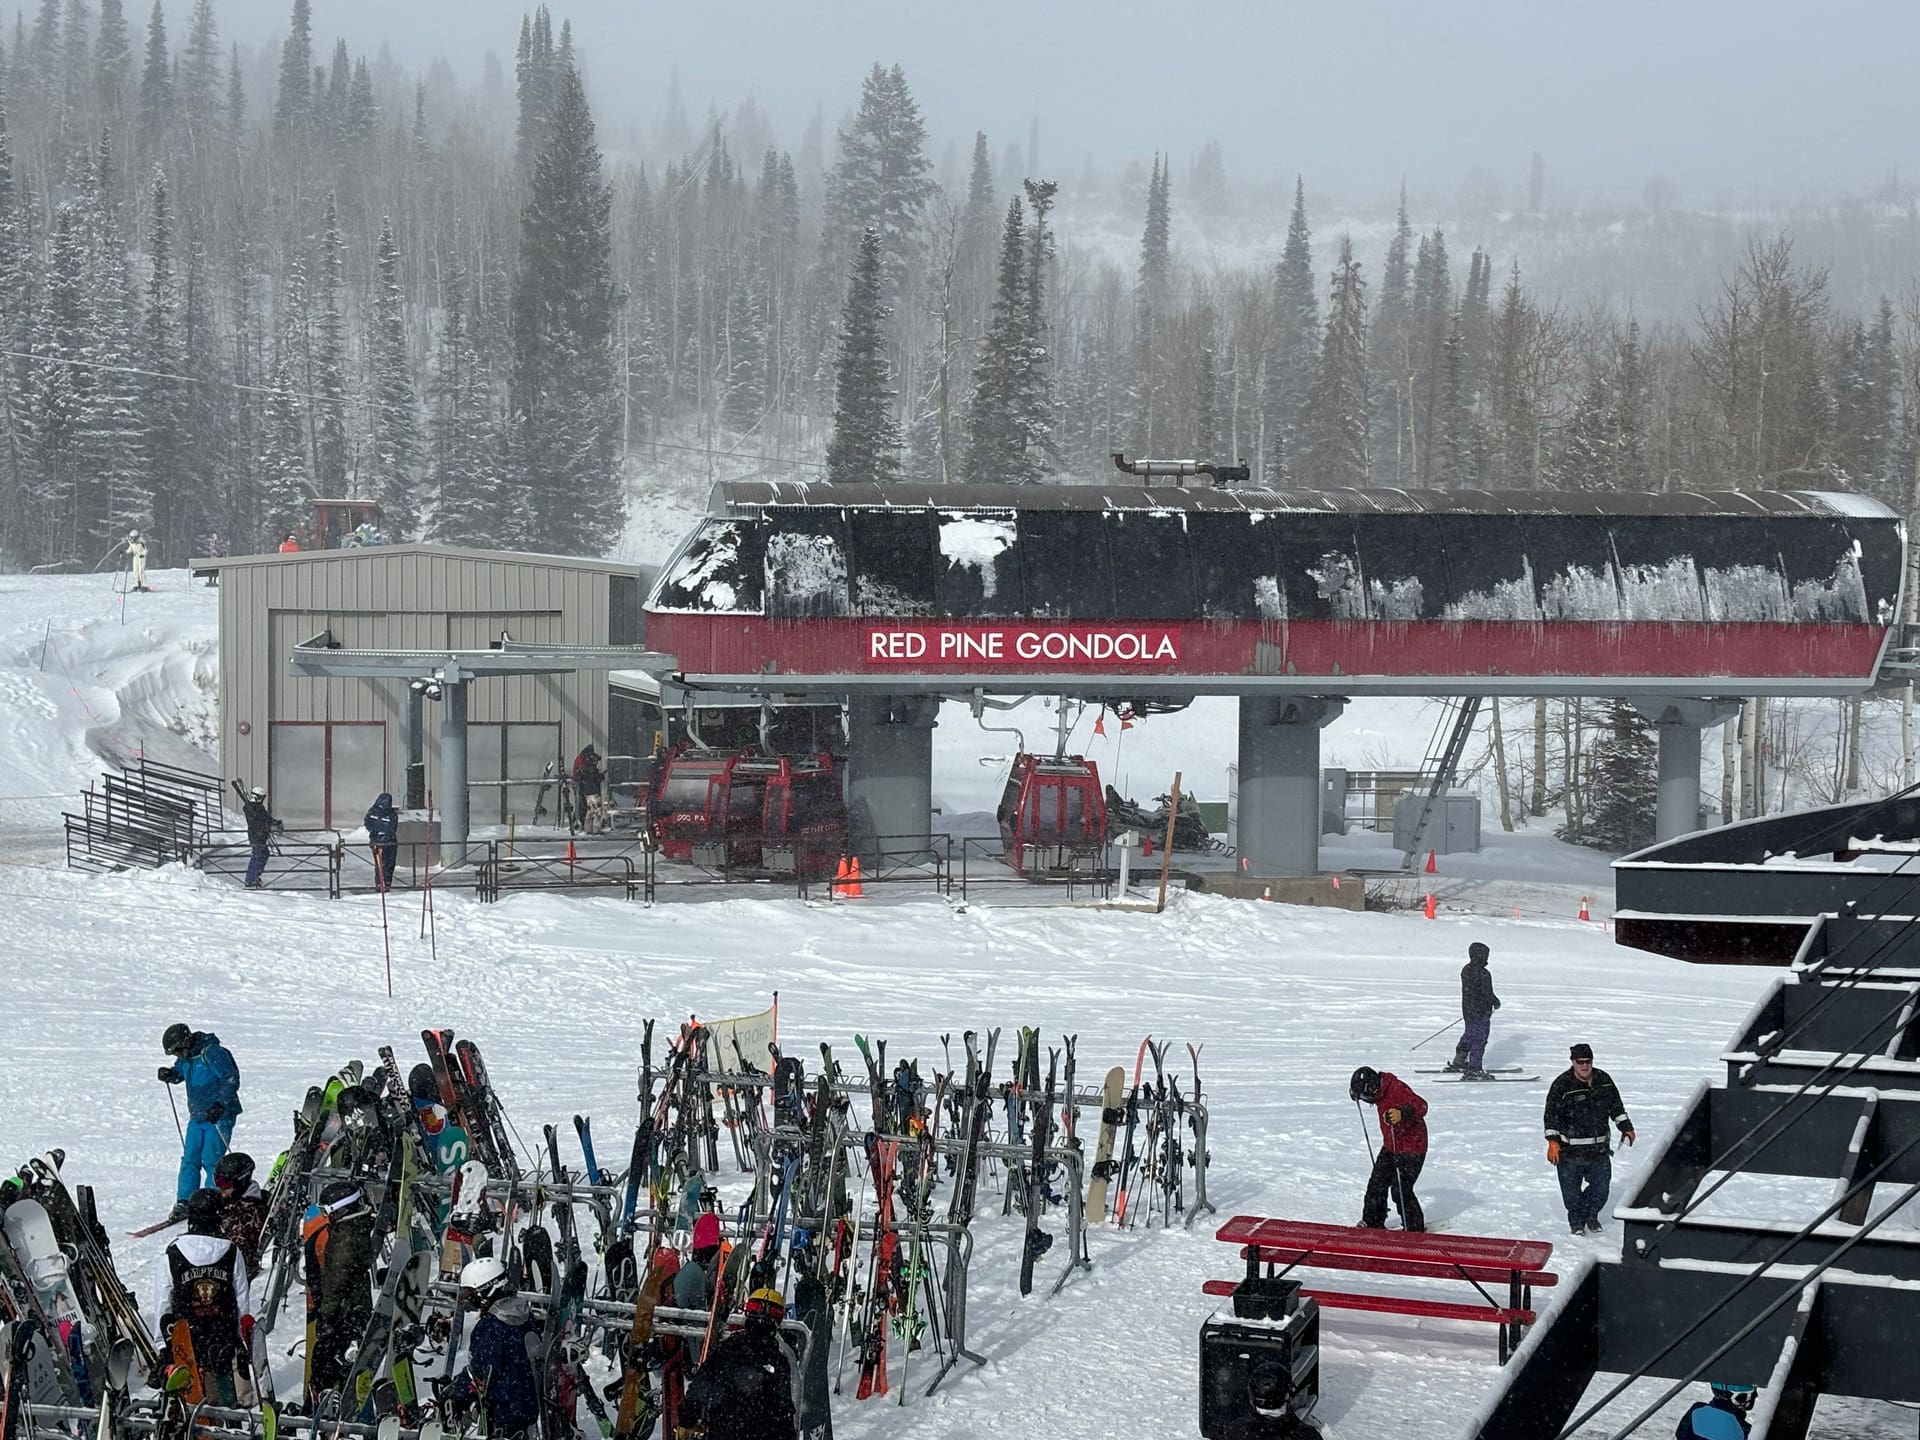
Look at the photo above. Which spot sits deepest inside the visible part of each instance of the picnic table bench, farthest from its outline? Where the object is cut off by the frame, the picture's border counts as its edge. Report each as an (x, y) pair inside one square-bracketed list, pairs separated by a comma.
[(1479, 1260)]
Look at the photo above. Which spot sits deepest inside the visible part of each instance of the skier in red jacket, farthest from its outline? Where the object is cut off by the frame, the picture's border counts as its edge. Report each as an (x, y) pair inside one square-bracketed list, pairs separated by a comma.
[(1403, 1147)]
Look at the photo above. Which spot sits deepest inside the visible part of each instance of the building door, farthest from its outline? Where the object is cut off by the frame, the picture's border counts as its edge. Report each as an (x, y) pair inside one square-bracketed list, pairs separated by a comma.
[(324, 774)]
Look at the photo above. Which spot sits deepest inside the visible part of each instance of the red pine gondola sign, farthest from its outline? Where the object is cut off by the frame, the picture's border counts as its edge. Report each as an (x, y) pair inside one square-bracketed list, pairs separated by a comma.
[(1066, 645)]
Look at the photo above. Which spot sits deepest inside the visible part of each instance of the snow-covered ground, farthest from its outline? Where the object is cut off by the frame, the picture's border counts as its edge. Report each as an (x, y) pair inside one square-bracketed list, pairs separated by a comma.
[(1285, 1001)]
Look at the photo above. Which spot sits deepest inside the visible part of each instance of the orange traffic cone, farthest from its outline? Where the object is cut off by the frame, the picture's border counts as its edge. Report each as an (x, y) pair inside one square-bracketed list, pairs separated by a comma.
[(1583, 909), (572, 854), (1428, 908), (1432, 869), (839, 889), (854, 891)]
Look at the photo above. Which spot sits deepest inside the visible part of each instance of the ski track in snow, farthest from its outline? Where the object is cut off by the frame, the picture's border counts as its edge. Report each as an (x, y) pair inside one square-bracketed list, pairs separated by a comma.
[(1287, 1001)]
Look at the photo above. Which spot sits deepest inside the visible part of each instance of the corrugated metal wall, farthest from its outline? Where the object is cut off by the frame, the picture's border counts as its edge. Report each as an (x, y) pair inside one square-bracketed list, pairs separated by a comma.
[(403, 598)]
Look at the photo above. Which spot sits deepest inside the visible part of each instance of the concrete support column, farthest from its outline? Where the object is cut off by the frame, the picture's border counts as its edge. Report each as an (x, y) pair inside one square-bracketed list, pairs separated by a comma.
[(890, 770), (1677, 725), (1279, 806), (453, 772)]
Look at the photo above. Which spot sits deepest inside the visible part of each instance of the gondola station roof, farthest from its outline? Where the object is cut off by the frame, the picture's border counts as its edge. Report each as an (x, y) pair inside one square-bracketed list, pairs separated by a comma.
[(1122, 588)]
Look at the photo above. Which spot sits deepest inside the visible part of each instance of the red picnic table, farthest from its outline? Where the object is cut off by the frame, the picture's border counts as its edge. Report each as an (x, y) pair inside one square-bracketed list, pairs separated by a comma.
[(1480, 1260)]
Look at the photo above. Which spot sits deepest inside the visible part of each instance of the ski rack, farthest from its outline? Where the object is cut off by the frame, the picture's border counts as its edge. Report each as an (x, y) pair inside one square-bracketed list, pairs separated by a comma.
[(667, 1319), (143, 1415)]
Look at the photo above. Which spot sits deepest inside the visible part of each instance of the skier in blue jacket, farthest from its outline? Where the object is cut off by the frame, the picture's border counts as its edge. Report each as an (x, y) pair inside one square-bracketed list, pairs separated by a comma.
[(205, 1067)]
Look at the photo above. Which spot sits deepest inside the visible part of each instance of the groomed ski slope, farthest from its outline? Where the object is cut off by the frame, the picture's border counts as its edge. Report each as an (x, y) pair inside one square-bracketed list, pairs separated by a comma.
[(1286, 1001)]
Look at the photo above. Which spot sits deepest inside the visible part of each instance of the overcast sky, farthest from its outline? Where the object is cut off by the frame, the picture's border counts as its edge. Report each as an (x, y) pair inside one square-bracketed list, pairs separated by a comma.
[(1768, 97)]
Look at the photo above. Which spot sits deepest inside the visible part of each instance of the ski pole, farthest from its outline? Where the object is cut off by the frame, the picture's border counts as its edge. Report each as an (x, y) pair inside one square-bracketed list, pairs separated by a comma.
[(1399, 1184), (171, 1105), (1435, 1035), (1365, 1133)]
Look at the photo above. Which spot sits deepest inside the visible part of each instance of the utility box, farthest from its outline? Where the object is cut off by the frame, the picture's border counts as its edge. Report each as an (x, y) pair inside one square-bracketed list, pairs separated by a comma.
[(1452, 829), (1333, 801)]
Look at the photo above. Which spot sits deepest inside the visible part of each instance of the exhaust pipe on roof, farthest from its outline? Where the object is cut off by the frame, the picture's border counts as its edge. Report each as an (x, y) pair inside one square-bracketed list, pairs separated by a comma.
[(1220, 474)]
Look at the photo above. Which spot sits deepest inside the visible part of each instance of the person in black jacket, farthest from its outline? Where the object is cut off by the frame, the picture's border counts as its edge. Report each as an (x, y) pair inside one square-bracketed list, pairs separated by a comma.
[(383, 837), (1581, 1103), (1477, 1004), (261, 828), (744, 1390)]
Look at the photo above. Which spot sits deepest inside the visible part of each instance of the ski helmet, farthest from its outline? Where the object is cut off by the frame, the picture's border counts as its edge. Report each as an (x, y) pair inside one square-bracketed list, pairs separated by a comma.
[(203, 1212), (339, 1193), (706, 1231), (174, 1038), (259, 792), (133, 534), (1365, 1084), (1741, 1397), (234, 1172), (486, 1277), (765, 1305), (1478, 952)]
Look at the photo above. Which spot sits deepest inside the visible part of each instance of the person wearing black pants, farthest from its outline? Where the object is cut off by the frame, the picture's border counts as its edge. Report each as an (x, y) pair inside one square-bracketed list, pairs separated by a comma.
[(1582, 1103), (1403, 1148)]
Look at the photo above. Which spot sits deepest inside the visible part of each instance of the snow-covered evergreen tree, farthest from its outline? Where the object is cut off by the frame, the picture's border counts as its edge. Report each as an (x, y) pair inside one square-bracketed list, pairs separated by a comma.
[(464, 479), (162, 395), (1388, 357), (1292, 352), (327, 367), (1621, 787), (563, 478), (1336, 420), (1152, 312), (393, 433), (1006, 421), (865, 447)]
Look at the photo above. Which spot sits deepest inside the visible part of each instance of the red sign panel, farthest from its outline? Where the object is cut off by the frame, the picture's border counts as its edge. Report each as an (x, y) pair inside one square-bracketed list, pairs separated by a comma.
[(1099, 647)]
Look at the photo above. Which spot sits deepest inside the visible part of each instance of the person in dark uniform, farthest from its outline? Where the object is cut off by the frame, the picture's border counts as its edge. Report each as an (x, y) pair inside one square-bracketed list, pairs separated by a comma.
[(1477, 1004), (1582, 1103)]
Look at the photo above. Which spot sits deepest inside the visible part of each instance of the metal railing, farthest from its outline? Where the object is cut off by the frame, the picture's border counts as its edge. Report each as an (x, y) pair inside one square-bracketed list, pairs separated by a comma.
[(497, 873), (303, 865), (983, 862)]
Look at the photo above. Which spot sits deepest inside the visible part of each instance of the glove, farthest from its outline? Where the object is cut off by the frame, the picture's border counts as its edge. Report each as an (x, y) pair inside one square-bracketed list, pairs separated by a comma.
[(1627, 1135), (1394, 1115), (1496, 1004), (169, 1074), (215, 1111), (1553, 1152)]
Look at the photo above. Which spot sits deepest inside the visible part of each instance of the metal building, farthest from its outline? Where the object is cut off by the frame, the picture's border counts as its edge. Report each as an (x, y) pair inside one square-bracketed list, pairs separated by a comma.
[(325, 747)]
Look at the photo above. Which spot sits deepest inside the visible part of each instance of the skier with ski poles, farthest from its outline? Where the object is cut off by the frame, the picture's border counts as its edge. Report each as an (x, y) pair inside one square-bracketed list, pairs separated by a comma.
[(383, 838), (261, 828), (204, 1283), (1403, 1147), (744, 1391), (1477, 1004), (136, 549), (207, 1069)]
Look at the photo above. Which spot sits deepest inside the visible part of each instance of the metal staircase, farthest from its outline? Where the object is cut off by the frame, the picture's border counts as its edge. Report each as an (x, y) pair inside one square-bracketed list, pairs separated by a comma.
[(1442, 763)]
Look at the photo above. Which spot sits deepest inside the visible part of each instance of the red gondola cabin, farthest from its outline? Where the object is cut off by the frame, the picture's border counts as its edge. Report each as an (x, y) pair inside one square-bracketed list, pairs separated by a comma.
[(1052, 813), (771, 814)]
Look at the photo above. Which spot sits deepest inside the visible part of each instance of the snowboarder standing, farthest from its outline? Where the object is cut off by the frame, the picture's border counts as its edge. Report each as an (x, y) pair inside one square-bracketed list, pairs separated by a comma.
[(261, 828), (1581, 1103), (1477, 1004), (499, 1371), (204, 1282), (744, 1391), (1724, 1417), (1403, 1147), (207, 1069), (243, 1216), (383, 836)]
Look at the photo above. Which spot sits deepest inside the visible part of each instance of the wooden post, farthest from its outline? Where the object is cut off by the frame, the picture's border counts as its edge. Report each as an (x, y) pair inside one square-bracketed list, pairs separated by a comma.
[(1166, 851)]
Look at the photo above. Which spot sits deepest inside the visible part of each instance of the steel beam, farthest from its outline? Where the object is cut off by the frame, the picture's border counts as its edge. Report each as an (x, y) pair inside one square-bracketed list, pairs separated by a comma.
[(1279, 818)]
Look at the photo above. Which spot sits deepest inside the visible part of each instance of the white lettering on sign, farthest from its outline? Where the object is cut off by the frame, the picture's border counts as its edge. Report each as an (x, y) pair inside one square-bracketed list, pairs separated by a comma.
[(1073, 645)]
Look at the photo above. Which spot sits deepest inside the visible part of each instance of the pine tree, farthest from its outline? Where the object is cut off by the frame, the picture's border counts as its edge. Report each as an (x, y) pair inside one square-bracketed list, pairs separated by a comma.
[(1004, 421), (199, 89), (1456, 457), (327, 371), (236, 96), (1429, 321), (1389, 358), (283, 487), (975, 244), (1621, 790), (156, 78), (1335, 421), (393, 436), (534, 83), (564, 480), (865, 448), (62, 392), (463, 475), (1632, 470), (293, 109), (1290, 356), (112, 56), (1152, 312), (162, 403)]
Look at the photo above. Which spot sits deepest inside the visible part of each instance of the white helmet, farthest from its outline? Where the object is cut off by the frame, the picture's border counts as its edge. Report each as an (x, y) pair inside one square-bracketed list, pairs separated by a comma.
[(133, 534), (259, 792), (486, 1276)]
